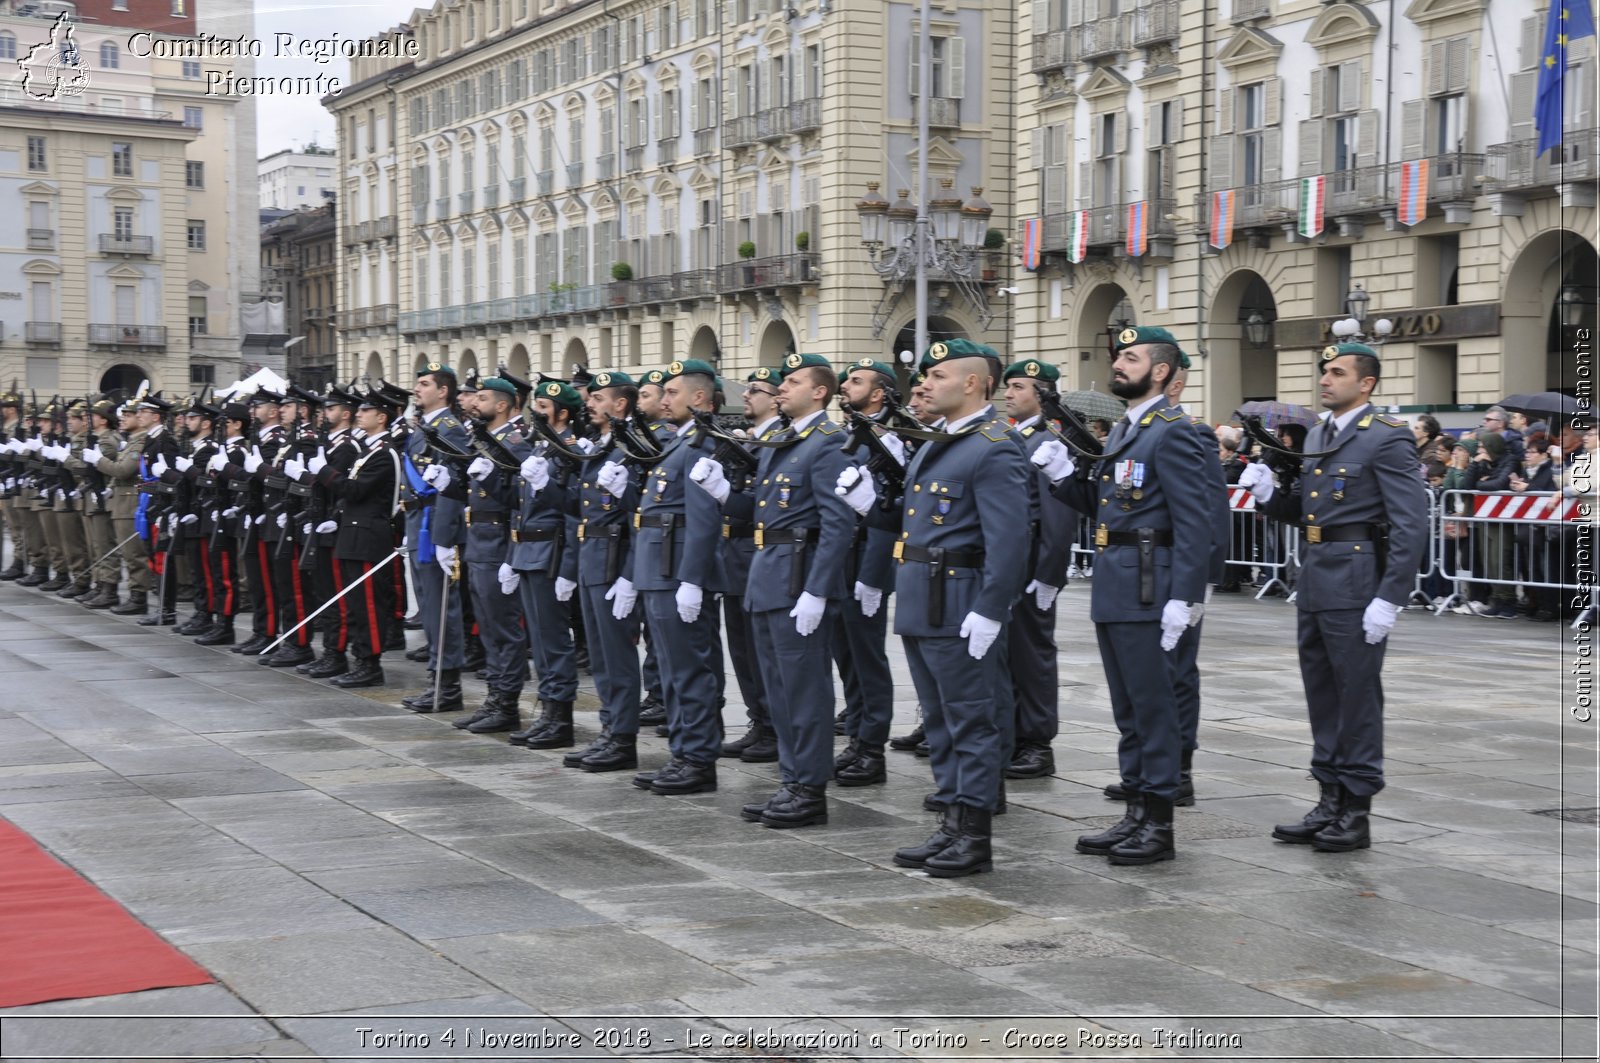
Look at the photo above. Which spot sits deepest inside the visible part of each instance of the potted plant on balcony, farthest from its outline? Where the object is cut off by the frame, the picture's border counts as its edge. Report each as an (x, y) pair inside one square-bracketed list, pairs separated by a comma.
[(993, 241), (621, 273), (747, 251), (802, 241)]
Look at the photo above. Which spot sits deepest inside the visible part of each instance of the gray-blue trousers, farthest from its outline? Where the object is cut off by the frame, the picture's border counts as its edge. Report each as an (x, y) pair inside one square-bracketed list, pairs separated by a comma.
[(549, 636), (690, 657), (1344, 698), (429, 580), (499, 628), (799, 692), (860, 650), (614, 660), (1139, 678), (962, 717)]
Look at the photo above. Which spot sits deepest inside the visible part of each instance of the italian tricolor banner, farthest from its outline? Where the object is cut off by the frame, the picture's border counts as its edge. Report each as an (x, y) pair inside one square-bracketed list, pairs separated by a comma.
[(1413, 192), (1138, 239), (1032, 231), (1222, 205), (1077, 235), (1313, 197)]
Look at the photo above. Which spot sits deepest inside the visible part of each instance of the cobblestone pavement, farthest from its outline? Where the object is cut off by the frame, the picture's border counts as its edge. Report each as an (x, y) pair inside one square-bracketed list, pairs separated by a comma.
[(324, 853)]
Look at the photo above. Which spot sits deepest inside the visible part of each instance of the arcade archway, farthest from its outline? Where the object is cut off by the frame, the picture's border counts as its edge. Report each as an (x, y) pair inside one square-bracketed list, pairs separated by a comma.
[(124, 377), (1241, 352), (1550, 294), (704, 346)]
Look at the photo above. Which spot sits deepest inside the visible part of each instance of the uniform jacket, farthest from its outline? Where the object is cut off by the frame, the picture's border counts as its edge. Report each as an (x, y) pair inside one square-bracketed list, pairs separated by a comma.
[(540, 513), (492, 505), (602, 555), (1174, 495), (794, 489), (1056, 523), (447, 524), (367, 496), (965, 495), (1370, 477), (122, 472), (666, 490), (1221, 511)]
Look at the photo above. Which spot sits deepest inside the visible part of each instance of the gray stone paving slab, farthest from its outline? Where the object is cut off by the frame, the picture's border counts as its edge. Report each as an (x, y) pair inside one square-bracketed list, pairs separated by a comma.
[(251, 780), (472, 909), (194, 905), (575, 859), (114, 1025)]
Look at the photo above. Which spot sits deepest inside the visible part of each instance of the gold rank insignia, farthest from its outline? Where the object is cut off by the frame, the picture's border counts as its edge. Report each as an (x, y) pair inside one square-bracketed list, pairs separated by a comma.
[(552, 389), (1330, 352), (1032, 369), (938, 351), (1128, 335), (603, 380), (793, 361), (675, 368), (763, 373), (865, 363), (433, 367)]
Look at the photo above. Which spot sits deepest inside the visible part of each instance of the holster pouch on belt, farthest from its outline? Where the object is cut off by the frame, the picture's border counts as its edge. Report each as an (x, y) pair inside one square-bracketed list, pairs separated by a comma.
[(613, 555), (669, 544), (1147, 566), (797, 570), (936, 586)]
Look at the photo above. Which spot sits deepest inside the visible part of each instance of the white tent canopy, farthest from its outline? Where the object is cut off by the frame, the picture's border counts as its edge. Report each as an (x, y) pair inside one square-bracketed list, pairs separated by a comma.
[(261, 378)]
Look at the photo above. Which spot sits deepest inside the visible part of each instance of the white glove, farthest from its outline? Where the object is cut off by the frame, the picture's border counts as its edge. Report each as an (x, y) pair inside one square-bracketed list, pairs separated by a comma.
[(1258, 479), (535, 472), (586, 446), (294, 468), (260, 519), (305, 529), (1378, 620), (480, 468), (1174, 619), (158, 466), (807, 613), (564, 589), (1054, 460), (92, 455), (1043, 594), (437, 476), (189, 518), (35, 444), (327, 527), (231, 511), (283, 520), (218, 460), (895, 446), (612, 478), (172, 524), (980, 633), (446, 556), (707, 475), (253, 460), (622, 597), (689, 599), (855, 486), (183, 464), (317, 462), (509, 578), (871, 599)]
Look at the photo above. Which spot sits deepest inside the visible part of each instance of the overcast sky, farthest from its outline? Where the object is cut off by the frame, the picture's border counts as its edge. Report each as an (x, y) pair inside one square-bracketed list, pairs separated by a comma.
[(295, 121)]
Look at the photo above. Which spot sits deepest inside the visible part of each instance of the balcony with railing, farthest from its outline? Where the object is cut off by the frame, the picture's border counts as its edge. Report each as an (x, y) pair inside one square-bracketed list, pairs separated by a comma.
[(519, 189), (801, 116), (574, 174), (605, 166), (491, 197), (41, 331), (119, 244), (383, 228), (780, 271), (1155, 22), (633, 159), (419, 213), (1108, 225), (1248, 10), (1051, 51), (379, 316), (441, 208), (1101, 38), (464, 200), (41, 239), (546, 180), (573, 299), (147, 336), (1517, 166), (944, 111), (705, 142), (667, 149)]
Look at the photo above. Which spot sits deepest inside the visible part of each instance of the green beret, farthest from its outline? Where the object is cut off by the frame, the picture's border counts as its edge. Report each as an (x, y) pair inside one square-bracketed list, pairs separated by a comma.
[(1033, 369), (610, 378), (504, 387), (764, 375), (959, 348), (655, 376), (1135, 335), (436, 367), (1335, 350), (557, 391), (805, 361), (871, 365), (688, 365)]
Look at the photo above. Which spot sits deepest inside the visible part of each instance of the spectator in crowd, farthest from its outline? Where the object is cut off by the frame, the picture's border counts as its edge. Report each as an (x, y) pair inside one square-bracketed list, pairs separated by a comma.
[(1292, 436), (1539, 547), (1457, 532), (1433, 448), (1490, 470), (1228, 452), (1101, 428), (1496, 419)]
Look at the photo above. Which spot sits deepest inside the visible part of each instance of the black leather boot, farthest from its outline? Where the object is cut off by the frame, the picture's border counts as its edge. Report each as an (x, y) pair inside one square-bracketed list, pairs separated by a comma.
[(288, 655), (12, 572), (329, 665), (218, 634), (764, 750), (73, 590), (652, 710), (503, 716), (691, 777), (1331, 803), (752, 812), (945, 836), (644, 780), (543, 722), (845, 756), (473, 657), (969, 853), (559, 734), (867, 768), (1101, 844), (55, 583), (1152, 842), (1116, 791), (1350, 831), (253, 646), (92, 590), (1033, 760), (751, 736), (932, 803), (618, 754), (420, 655), (573, 759), (194, 625), (839, 726), (368, 672), (906, 743), (450, 699), (105, 599), (40, 574), (161, 619), (805, 806), (137, 603)]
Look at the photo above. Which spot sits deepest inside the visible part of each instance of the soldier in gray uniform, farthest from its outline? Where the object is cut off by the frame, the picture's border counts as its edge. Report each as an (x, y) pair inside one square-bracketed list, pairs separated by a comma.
[(1031, 638), (802, 531), (1153, 533), (653, 710), (1364, 516), (959, 574), (676, 567)]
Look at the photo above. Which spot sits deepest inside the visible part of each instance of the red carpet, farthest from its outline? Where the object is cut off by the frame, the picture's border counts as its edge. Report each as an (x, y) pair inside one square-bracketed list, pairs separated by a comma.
[(63, 939)]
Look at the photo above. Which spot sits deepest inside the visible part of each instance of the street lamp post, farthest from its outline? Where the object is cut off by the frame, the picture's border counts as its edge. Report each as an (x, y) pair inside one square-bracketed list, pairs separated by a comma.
[(1351, 329)]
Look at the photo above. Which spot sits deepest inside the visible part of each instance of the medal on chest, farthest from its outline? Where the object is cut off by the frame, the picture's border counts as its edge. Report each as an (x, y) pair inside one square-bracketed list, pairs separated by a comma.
[(1129, 477)]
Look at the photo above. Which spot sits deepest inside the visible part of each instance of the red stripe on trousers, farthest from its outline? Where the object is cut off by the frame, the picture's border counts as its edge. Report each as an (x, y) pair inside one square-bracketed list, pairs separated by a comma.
[(266, 587), (372, 612), (227, 582), (303, 636), (342, 641), (211, 585)]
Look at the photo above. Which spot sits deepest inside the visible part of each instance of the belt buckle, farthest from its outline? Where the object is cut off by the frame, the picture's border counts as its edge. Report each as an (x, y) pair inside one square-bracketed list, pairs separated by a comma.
[(1313, 533), (515, 537), (636, 518), (581, 532), (727, 531), (900, 550), (1102, 536), (760, 538), (469, 516)]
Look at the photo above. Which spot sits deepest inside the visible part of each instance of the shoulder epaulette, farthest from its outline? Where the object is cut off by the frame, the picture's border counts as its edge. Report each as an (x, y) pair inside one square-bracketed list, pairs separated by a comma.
[(995, 431), (446, 421), (1168, 414), (1391, 422), (828, 428), (1365, 421)]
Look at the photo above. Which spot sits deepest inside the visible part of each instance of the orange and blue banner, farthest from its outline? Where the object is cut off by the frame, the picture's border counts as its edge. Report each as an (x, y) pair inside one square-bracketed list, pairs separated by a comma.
[(1032, 233), (1413, 206), (1138, 240), (1222, 207)]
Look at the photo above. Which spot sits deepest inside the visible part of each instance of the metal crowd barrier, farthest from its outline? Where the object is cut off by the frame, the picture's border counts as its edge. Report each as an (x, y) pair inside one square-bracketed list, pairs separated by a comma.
[(1256, 542)]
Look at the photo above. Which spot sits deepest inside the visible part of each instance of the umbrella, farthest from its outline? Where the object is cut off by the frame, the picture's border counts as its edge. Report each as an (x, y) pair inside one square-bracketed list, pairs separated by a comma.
[(1274, 414), (1548, 402), (1092, 404)]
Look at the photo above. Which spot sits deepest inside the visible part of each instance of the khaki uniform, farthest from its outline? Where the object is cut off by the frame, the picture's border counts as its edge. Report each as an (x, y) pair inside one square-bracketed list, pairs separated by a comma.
[(69, 526), (96, 520), (122, 469)]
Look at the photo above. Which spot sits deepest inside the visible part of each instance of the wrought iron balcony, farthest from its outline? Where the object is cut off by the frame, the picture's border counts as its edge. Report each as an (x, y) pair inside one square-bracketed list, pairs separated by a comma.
[(574, 300), (605, 167), (1516, 166), (380, 316), (574, 174), (464, 199), (1247, 10), (152, 336), (441, 208), (546, 180), (519, 189), (1051, 51), (780, 271), (1155, 22), (801, 116), (1101, 38), (41, 331), (41, 239), (116, 244), (1108, 226), (944, 111), (705, 141), (633, 159), (383, 228), (491, 196)]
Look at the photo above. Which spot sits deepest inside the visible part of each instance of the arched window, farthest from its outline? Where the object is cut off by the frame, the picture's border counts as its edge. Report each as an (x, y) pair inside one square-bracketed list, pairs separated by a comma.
[(109, 56)]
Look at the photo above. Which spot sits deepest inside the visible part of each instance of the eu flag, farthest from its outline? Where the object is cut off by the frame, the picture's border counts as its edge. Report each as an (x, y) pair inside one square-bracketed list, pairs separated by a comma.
[(1569, 20)]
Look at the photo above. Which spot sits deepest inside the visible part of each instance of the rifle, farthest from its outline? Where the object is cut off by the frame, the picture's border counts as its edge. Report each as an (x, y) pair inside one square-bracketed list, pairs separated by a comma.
[(566, 458), (738, 464), (885, 469), (453, 456), (635, 440), (1077, 437), (1284, 463)]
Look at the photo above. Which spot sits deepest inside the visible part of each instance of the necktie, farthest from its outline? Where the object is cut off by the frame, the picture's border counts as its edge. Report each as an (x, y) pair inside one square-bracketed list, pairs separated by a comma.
[(1118, 430)]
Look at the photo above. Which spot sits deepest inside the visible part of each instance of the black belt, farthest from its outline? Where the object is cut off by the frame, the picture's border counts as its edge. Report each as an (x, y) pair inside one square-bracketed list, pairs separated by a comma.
[(657, 520), (1343, 533), (497, 517), (613, 534), (938, 559), (534, 535), (1103, 536), (766, 537), (1146, 539), (418, 502), (737, 529)]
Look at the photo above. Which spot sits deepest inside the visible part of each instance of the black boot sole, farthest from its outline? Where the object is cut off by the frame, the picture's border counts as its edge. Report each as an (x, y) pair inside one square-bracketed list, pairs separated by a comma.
[(629, 764), (1292, 839), (958, 872), (820, 819), (1140, 861), (1340, 847)]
